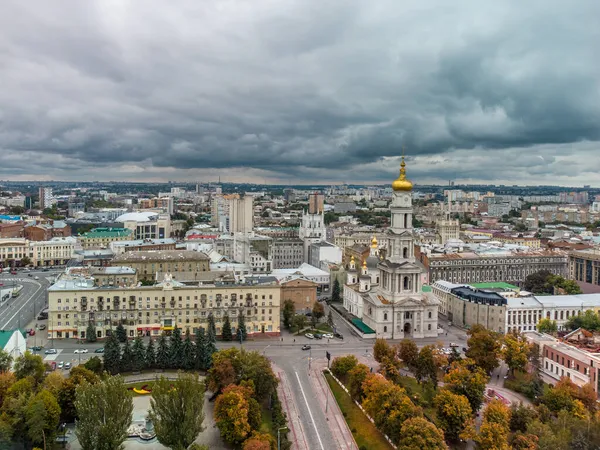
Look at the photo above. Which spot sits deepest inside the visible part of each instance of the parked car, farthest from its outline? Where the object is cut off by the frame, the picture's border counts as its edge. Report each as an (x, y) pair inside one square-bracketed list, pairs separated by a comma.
[(318, 336), (452, 344), (306, 347), (36, 348), (338, 335), (36, 277), (309, 335), (29, 275), (99, 350), (61, 365), (67, 366), (80, 350), (32, 332), (42, 327), (50, 351), (328, 335)]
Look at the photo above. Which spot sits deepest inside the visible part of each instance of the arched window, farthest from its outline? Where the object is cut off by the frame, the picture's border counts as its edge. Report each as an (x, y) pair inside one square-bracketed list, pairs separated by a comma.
[(429, 315), (405, 220), (405, 252), (385, 329), (405, 282), (384, 316)]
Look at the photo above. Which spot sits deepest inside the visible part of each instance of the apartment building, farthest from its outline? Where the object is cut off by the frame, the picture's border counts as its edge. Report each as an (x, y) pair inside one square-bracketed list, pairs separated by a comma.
[(57, 251), (119, 247), (287, 252), (584, 265), (75, 302), (103, 237), (148, 263)]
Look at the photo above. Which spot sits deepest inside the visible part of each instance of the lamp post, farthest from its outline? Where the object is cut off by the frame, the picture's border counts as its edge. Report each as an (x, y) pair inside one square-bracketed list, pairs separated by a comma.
[(279, 437)]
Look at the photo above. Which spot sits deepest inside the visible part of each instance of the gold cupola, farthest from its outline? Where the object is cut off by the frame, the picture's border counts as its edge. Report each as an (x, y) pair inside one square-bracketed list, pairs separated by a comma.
[(401, 183), (374, 242)]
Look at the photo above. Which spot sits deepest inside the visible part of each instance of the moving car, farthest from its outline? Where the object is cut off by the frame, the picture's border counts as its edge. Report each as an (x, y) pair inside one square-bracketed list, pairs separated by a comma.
[(80, 350), (306, 347), (309, 335), (99, 350), (29, 275), (42, 327), (452, 344), (36, 278), (51, 351), (338, 335), (37, 348), (67, 366)]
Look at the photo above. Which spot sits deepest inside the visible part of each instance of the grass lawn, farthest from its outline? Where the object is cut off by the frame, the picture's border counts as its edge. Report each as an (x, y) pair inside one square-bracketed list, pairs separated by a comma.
[(267, 421), (364, 432), (424, 399)]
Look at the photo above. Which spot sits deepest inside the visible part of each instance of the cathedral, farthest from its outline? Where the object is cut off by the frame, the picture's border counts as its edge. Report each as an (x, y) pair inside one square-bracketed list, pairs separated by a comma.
[(385, 293)]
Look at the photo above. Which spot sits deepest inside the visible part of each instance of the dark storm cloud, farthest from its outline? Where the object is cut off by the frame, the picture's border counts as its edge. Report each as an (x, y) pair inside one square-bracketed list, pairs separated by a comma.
[(299, 90)]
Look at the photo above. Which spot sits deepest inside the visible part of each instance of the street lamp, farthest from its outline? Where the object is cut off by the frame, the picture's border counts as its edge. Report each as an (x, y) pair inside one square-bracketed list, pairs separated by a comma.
[(279, 438)]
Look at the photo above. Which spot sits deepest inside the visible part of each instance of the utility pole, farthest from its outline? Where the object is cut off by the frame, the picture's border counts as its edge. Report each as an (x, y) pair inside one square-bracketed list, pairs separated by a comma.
[(279, 437)]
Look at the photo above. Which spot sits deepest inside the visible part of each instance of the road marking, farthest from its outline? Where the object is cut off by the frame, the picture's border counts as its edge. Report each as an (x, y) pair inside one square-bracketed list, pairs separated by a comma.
[(53, 356), (25, 303), (309, 412)]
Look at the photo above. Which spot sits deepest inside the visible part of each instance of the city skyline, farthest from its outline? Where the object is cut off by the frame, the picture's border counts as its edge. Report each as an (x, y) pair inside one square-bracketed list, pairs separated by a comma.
[(287, 93)]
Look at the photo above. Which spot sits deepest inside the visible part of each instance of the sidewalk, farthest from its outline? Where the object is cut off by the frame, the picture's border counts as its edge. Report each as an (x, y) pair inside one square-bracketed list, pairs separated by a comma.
[(297, 434)]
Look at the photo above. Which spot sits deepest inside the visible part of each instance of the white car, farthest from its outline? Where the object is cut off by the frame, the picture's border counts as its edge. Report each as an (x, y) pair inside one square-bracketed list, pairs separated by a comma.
[(309, 335), (61, 365), (328, 335), (81, 350)]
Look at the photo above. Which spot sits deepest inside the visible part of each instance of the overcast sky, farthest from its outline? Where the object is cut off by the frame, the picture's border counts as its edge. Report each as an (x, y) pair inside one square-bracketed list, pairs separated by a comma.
[(293, 91)]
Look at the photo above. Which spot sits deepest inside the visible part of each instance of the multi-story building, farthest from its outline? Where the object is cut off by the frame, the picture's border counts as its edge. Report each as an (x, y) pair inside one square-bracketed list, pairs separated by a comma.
[(288, 252), (316, 203), (146, 224), (584, 265), (103, 237), (46, 197), (241, 214), (324, 251), (349, 239), (446, 230), (301, 291), (17, 200), (55, 252), (149, 263), (254, 250), (119, 247), (312, 229), (307, 272), (75, 302), (11, 229), (511, 266), (13, 250), (117, 276), (44, 231)]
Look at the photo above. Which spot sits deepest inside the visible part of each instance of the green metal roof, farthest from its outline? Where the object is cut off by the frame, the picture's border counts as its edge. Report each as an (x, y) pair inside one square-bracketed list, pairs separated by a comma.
[(362, 327), (494, 285), (426, 288), (5, 336), (107, 232)]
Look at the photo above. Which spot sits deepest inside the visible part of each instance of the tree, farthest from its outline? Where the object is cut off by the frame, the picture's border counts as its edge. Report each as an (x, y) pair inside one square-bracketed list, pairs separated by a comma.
[(382, 350), (427, 367), (330, 319), (465, 378), (521, 441), (336, 293), (189, 355), (150, 357), (241, 332), (232, 413), (497, 412), (42, 415), (537, 282), (94, 364), (121, 333), (138, 362), (5, 361), (68, 393), (454, 415), (493, 433), (318, 311), (163, 353), (516, 351), (520, 417), (408, 352), (289, 309), (299, 322), (201, 361), (53, 382), (547, 326), (258, 441), (418, 433), (483, 347), (588, 320), (105, 412), (127, 357), (90, 333), (176, 350), (29, 365), (343, 364), (112, 354), (212, 329), (226, 330), (356, 378), (177, 413)]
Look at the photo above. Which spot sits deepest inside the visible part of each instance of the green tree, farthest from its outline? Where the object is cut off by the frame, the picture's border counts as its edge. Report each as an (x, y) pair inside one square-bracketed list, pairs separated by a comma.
[(90, 333), (105, 412), (189, 353), (427, 367), (226, 330), (330, 319), (318, 311), (588, 320), (336, 293), (138, 355), (176, 350), (454, 415), (150, 357), (484, 347), (42, 415), (343, 364), (241, 332), (537, 282), (29, 365), (201, 361), (5, 361), (177, 413), (299, 322), (418, 433), (356, 378), (289, 309), (516, 351), (382, 350), (465, 378), (94, 364), (520, 417), (408, 352), (163, 353), (121, 333), (67, 394), (211, 348), (112, 354), (212, 329), (126, 357), (547, 326)]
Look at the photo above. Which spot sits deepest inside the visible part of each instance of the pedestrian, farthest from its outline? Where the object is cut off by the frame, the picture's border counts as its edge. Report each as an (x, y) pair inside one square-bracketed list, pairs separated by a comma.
[(294, 340)]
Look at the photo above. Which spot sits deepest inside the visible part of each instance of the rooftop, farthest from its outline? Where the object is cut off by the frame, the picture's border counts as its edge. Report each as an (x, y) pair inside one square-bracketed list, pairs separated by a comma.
[(495, 285), (161, 255), (107, 233), (478, 296), (143, 242)]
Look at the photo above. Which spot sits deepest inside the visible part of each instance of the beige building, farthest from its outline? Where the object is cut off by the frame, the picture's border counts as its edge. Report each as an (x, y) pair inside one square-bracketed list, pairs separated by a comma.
[(584, 265), (106, 276), (447, 229), (301, 291), (74, 303), (56, 251), (147, 264), (103, 237)]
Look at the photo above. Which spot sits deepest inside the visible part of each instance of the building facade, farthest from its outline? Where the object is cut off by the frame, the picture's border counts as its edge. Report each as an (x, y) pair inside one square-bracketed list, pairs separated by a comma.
[(148, 263), (301, 291), (312, 230), (46, 197), (103, 237), (288, 252), (74, 303), (119, 247), (584, 265)]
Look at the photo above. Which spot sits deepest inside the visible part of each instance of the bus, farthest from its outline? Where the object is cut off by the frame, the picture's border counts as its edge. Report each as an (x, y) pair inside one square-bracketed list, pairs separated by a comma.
[(17, 291)]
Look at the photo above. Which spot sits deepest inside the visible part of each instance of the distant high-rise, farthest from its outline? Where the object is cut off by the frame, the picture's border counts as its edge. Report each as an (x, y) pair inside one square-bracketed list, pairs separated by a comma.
[(316, 203), (241, 214), (46, 197)]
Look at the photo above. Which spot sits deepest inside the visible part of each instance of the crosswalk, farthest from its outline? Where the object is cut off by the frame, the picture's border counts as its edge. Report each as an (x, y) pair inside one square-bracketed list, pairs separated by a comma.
[(53, 356)]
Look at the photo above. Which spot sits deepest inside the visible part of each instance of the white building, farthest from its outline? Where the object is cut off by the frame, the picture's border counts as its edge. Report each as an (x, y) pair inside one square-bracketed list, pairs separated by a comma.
[(311, 273), (241, 214), (146, 224), (312, 230), (46, 197), (386, 293), (324, 251), (13, 343)]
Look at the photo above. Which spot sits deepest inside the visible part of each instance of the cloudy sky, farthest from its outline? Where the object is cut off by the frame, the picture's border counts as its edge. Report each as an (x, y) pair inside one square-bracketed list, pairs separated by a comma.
[(301, 91)]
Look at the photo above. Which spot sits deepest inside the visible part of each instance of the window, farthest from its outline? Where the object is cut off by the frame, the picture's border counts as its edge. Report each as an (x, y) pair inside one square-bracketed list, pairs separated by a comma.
[(429, 315), (429, 327)]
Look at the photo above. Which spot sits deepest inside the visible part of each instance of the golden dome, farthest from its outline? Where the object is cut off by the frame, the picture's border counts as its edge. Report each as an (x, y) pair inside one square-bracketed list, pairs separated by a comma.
[(364, 265), (352, 258), (401, 183), (374, 242)]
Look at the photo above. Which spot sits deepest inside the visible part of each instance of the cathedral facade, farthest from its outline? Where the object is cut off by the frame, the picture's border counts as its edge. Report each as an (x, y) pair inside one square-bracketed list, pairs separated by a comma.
[(386, 293)]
